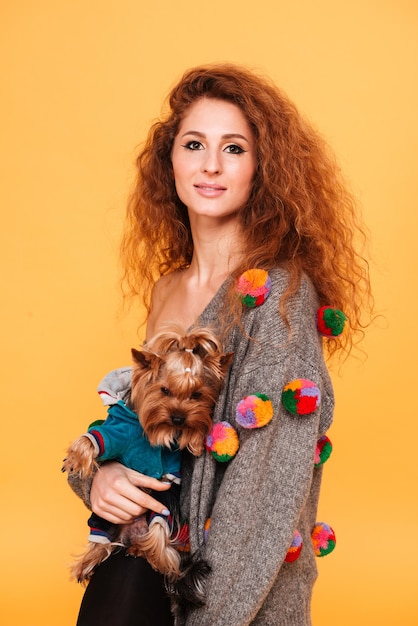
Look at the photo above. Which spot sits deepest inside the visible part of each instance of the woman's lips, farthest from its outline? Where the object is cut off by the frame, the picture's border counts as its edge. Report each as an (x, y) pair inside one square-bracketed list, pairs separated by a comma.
[(209, 190)]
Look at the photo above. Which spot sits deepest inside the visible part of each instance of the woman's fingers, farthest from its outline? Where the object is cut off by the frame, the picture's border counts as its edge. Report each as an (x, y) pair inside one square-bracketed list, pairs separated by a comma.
[(116, 497), (146, 482)]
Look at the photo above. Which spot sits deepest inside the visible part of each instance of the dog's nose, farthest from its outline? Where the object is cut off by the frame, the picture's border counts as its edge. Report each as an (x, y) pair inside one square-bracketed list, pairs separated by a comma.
[(178, 419)]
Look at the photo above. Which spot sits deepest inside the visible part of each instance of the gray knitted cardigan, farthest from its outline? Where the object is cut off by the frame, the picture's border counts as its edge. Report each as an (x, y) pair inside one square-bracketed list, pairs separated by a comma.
[(271, 487)]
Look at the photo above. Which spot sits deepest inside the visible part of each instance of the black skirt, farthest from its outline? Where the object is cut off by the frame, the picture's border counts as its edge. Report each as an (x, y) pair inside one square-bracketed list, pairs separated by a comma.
[(125, 591)]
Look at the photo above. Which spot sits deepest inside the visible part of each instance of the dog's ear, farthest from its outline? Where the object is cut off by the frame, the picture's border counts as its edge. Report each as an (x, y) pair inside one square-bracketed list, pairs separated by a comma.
[(140, 359), (205, 347), (225, 361)]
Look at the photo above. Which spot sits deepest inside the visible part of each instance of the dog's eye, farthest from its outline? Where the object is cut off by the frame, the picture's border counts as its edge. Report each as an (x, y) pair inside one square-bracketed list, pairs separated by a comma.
[(196, 395), (165, 391)]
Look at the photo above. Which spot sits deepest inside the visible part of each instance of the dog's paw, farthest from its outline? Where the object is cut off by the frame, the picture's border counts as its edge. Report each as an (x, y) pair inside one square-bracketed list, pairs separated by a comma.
[(71, 464), (80, 458)]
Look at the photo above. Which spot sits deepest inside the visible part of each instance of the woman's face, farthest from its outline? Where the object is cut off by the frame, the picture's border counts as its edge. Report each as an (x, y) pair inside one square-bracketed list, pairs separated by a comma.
[(214, 159)]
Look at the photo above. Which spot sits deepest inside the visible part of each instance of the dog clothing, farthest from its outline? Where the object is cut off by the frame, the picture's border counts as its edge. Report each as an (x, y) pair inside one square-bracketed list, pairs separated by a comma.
[(121, 438)]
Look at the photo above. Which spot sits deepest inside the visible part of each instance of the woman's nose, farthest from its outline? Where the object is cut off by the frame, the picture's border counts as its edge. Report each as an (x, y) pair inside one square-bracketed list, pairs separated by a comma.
[(211, 162)]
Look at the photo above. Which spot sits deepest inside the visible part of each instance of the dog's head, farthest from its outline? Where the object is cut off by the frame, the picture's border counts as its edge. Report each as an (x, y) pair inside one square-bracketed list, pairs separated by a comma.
[(176, 380)]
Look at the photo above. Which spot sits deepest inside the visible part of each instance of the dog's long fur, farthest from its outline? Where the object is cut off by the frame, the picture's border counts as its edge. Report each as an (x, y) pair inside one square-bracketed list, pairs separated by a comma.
[(176, 379)]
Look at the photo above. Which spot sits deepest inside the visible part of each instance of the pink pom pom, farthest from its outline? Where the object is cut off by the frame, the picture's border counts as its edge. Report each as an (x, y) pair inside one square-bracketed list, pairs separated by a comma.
[(301, 397), (253, 287), (295, 548), (323, 539), (254, 411), (222, 442)]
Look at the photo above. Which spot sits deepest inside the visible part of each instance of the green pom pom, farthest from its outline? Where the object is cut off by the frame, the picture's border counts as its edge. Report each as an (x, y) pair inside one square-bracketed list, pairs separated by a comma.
[(331, 322), (95, 423)]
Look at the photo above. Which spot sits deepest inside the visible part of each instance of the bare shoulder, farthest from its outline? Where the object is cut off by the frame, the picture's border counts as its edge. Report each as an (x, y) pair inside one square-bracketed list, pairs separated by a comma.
[(168, 281), (164, 306), (163, 290)]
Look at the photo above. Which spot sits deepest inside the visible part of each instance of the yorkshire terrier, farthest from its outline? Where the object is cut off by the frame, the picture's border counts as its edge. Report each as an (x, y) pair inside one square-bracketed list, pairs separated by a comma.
[(175, 381)]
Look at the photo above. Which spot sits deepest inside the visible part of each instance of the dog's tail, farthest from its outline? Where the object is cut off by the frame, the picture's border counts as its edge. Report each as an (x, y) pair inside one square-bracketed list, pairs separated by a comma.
[(188, 591), (160, 549)]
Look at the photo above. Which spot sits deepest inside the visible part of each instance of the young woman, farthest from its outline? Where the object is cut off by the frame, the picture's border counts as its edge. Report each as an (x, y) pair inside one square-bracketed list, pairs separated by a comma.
[(234, 179)]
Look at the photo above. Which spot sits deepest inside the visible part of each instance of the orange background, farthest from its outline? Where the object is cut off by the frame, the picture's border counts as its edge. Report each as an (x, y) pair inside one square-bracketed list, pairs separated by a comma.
[(81, 82)]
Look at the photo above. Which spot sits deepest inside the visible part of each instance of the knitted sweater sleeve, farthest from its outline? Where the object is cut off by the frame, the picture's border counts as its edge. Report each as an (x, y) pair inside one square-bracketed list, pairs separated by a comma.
[(266, 487)]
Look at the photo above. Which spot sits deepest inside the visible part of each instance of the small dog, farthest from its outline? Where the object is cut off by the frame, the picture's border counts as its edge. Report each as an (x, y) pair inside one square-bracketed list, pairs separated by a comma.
[(175, 382)]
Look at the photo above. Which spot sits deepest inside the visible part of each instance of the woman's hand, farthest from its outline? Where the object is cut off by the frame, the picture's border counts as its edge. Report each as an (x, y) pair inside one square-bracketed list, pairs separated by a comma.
[(115, 495)]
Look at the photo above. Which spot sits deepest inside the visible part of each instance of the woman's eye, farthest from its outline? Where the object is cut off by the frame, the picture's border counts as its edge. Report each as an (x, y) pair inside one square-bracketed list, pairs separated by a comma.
[(234, 149), (193, 145), (165, 391)]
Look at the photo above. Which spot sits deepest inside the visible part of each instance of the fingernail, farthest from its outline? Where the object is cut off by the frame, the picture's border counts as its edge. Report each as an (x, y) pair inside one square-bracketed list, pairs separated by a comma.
[(166, 482), (165, 512)]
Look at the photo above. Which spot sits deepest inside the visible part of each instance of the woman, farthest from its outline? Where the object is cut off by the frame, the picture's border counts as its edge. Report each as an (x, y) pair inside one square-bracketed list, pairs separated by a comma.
[(234, 179)]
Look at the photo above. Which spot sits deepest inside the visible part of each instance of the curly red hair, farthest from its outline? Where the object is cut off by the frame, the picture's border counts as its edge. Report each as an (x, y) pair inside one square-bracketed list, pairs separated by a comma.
[(300, 214)]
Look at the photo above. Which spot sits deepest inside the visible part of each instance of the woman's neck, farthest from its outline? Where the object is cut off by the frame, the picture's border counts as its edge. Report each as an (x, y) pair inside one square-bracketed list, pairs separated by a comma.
[(217, 251)]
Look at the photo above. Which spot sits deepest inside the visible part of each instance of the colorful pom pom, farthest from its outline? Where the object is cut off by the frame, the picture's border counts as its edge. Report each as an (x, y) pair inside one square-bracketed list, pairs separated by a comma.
[(206, 529), (323, 539), (323, 450), (301, 397), (254, 411), (183, 538), (295, 548), (253, 287), (331, 321), (222, 442)]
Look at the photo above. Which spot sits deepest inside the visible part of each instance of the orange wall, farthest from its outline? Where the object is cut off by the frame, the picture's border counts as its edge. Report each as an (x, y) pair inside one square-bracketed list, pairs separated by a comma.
[(81, 82)]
